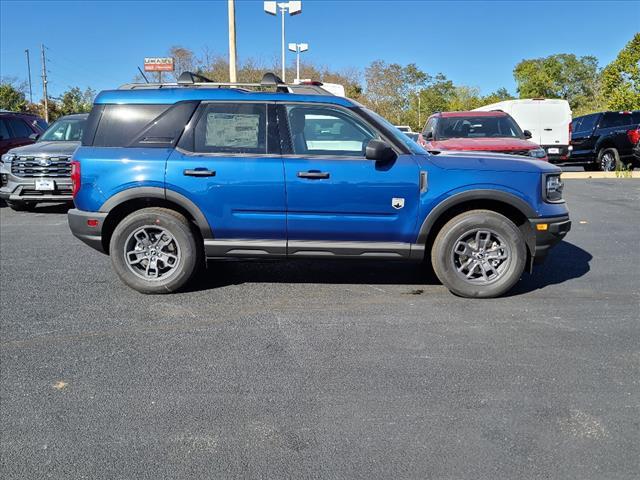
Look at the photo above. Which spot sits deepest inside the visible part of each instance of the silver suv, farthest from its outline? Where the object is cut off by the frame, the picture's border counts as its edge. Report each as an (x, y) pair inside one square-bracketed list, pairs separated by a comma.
[(41, 172)]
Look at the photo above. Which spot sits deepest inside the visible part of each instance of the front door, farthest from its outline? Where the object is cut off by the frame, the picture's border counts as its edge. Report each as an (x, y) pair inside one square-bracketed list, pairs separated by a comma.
[(226, 165), (334, 194)]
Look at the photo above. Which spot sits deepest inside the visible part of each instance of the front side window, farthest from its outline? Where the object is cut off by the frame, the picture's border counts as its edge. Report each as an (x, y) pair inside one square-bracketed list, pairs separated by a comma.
[(232, 128), (4, 131), (429, 127), (586, 124), (64, 130), (20, 129), (326, 131)]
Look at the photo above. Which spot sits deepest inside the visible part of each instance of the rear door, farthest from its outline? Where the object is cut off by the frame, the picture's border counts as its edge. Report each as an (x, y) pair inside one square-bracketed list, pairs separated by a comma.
[(554, 122), (228, 164), (583, 138), (334, 194)]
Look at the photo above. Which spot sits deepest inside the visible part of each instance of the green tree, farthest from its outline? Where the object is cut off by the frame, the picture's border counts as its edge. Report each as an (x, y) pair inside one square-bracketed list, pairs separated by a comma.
[(11, 97), (559, 76), (75, 100), (620, 88)]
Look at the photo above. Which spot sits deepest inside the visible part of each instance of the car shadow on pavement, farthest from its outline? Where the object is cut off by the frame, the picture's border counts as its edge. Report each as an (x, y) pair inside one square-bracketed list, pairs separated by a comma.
[(44, 208), (223, 273), (565, 261)]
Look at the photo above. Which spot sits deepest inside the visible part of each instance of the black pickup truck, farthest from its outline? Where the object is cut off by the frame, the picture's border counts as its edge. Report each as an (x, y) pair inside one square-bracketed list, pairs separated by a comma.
[(605, 140)]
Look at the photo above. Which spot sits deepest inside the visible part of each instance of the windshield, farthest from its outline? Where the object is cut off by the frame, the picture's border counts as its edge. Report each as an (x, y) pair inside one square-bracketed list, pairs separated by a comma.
[(477, 127), (64, 130), (397, 134)]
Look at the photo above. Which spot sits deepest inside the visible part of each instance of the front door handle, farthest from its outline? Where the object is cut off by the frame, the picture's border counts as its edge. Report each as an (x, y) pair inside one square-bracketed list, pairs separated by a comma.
[(313, 175), (199, 172)]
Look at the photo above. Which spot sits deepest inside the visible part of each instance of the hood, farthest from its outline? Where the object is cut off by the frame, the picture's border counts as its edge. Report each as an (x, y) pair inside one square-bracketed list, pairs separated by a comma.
[(501, 144), (46, 149), (498, 162)]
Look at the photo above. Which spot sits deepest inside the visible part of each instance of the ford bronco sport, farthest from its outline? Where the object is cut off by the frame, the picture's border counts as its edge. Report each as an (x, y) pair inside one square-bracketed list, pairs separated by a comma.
[(170, 174)]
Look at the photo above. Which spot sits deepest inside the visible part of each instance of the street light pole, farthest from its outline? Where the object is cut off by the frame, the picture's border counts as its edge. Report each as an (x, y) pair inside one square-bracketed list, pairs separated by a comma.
[(233, 72), (294, 8), (298, 48)]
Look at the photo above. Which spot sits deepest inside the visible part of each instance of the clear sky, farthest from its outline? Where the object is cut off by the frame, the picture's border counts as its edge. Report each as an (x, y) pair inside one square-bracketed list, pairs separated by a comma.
[(100, 43)]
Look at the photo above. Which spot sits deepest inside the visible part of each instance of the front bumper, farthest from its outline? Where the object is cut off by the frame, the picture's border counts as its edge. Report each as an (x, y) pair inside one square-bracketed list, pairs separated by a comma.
[(81, 227), (556, 229), (23, 189)]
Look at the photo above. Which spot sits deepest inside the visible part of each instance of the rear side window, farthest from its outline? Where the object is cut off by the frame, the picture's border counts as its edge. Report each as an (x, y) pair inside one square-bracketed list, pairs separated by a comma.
[(120, 124), (165, 130), (615, 119), (232, 128), (20, 129)]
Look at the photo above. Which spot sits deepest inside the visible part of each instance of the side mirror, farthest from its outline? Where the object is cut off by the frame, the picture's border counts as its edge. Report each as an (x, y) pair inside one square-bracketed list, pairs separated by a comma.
[(527, 134), (429, 136), (34, 136), (379, 151)]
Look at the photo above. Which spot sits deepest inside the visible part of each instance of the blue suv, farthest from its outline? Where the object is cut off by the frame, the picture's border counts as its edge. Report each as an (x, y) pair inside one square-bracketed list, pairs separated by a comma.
[(169, 175)]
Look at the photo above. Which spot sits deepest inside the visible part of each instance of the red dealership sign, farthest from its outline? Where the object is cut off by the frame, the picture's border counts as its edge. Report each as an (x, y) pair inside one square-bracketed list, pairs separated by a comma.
[(158, 64)]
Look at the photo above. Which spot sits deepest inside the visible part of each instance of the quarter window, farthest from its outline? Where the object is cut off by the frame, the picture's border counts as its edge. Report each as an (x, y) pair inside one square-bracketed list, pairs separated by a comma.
[(120, 124), (232, 128), (326, 131)]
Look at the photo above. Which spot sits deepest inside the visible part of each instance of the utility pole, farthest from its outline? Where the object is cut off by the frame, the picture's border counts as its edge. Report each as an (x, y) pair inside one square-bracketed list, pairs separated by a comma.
[(29, 70), (44, 85), (233, 72)]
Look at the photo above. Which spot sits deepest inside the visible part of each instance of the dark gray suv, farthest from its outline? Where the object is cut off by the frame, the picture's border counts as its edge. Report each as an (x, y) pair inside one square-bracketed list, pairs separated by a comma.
[(40, 172)]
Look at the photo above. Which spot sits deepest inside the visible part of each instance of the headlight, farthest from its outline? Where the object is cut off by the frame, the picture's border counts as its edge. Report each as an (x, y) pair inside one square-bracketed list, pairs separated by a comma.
[(552, 188), (538, 153), (6, 158)]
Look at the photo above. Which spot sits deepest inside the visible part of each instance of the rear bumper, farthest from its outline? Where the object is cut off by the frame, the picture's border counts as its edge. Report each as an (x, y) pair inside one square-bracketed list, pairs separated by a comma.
[(556, 229), (79, 225), (563, 153)]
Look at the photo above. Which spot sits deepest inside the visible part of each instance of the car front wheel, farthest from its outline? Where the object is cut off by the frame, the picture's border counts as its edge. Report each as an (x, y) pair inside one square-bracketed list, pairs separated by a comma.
[(479, 254), (155, 250)]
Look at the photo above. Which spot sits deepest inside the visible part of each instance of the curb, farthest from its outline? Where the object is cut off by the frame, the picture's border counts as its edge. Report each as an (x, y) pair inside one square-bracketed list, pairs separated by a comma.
[(594, 175)]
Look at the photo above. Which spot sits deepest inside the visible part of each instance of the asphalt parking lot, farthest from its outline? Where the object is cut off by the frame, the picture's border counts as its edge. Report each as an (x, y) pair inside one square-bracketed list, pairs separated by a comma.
[(323, 369)]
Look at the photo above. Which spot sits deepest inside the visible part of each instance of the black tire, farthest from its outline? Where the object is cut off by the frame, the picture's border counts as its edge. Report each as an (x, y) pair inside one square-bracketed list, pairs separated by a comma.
[(608, 160), (21, 206), (506, 272), (185, 246)]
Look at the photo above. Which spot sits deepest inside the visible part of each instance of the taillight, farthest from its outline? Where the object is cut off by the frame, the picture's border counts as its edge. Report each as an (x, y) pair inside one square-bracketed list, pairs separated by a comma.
[(570, 130), (75, 177), (634, 136)]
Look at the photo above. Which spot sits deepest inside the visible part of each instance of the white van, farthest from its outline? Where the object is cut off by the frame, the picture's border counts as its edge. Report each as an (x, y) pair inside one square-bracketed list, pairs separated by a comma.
[(548, 120)]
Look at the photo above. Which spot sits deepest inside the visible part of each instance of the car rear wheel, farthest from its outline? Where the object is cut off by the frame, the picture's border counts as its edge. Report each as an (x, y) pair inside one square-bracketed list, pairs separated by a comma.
[(608, 159), (479, 254), (155, 250)]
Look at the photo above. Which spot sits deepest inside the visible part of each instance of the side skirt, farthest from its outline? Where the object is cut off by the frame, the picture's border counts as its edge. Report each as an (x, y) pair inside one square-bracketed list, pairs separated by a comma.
[(244, 248)]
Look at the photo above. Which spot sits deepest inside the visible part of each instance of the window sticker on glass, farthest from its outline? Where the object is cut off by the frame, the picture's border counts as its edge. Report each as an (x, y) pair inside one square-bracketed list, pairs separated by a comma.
[(232, 130)]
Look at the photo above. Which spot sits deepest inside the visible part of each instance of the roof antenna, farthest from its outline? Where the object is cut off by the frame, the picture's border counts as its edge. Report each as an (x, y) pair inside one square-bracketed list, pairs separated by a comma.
[(143, 75)]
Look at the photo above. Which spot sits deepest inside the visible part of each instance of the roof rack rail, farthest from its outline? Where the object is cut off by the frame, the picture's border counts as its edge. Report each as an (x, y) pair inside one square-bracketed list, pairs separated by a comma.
[(269, 80)]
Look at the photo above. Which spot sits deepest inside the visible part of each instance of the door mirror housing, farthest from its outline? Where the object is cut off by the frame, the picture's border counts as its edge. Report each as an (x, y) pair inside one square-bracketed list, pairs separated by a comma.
[(34, 136), (428, 136), (379, 151), (527, 134)]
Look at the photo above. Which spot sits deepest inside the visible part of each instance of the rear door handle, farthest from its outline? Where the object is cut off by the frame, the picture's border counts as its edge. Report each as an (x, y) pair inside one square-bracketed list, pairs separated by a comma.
[(199, 172), (548, 129), (313, 175)]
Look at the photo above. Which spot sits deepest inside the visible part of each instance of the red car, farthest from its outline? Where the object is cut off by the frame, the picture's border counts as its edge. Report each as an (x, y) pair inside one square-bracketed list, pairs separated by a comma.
[(17, 129), (479, 131)]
